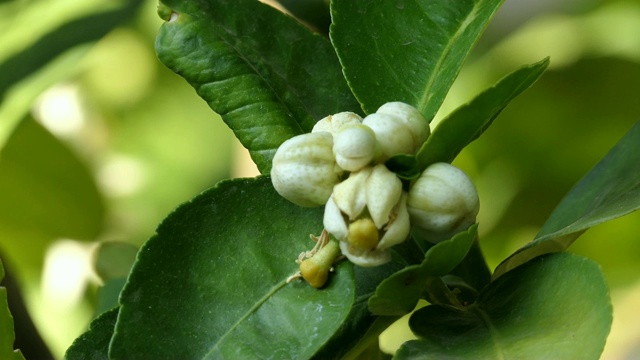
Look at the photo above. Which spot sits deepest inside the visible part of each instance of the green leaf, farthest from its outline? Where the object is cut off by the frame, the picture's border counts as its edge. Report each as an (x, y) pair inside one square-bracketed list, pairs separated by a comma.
[(54, 43), (212, 282), (398, 294), (553, 307), (361, 328), (7, 335), (47, 193), (409, 51), (469, 121), (94, 343), (610, 190), (312, 12), (112, 260), (267, 76)]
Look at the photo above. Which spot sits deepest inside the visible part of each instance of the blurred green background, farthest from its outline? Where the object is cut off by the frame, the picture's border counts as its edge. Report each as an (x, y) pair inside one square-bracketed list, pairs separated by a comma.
[(99, 142)]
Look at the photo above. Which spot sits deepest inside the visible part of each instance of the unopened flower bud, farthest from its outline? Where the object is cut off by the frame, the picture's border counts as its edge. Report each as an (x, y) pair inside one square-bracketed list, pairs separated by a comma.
[(333, 123), (355, 147), (392, 134), (442, 202), (414, 120), (304, 169)]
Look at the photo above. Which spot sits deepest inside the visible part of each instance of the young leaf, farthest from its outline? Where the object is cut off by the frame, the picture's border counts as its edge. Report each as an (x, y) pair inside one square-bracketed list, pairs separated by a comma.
[(212, 282), (610, 190), (398, 294), (409, 51), (7, 335), (268, 77), (469, 121), (94, 343), (553, 307)]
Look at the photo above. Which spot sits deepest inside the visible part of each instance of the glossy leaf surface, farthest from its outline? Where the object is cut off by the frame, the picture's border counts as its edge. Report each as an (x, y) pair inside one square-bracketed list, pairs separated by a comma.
[(553, 307), (212, 282), (94, 343), (469, 121), (7, 335), (399, 293), (610, 190), (268, 77), (409, 51)]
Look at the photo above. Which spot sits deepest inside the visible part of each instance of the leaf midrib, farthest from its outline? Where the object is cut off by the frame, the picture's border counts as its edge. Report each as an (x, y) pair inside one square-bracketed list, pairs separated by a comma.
[(427, 94), (246, 315), (494, 335), (267, 83)]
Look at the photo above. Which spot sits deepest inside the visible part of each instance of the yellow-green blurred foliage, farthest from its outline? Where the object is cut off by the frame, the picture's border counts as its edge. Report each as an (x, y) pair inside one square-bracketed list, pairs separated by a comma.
[(105, 141)]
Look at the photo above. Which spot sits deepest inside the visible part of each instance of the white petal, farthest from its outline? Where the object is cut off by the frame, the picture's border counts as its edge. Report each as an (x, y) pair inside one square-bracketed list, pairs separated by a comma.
[(365, 258), (334, 222), (398, 229), (383, 191), (350, 196)]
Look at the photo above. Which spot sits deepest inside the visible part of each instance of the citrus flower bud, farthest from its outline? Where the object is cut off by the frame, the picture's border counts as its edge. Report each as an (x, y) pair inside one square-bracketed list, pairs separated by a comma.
[(417, 124), (442, 202), (333, 123), (304, 169), (367, 213), (354, 146), (393, 135)]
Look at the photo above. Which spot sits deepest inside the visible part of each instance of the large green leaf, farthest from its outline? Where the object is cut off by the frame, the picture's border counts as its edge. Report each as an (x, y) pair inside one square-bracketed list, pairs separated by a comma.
[(399, 293), (554, 307), (47, 193), (94, 343), (469, 121), (409, 51), (610, 190), (7, 336), (268, 77), (54, 43), (212, 282)]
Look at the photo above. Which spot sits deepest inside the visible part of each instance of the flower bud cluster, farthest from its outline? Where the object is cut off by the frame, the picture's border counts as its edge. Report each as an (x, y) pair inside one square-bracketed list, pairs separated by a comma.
[(340, 165), (366, 212)]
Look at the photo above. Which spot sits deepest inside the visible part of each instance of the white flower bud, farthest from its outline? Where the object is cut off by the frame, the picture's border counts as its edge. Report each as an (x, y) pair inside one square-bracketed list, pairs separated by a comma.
[(393, 135), (414, 120), (304, 170), (354, 146), (442, 202), (333, 123), (367, 213)]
